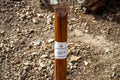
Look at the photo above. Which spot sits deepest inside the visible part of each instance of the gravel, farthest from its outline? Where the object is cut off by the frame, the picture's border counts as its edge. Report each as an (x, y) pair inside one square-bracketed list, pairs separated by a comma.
[(27, 44)]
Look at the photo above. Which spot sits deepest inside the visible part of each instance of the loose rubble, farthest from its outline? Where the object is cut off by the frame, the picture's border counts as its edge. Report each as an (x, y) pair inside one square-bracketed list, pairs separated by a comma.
[(27, 42)]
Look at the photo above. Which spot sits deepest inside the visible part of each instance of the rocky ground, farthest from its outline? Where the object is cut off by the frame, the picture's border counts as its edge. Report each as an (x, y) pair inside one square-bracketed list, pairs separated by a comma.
[(27, 42)]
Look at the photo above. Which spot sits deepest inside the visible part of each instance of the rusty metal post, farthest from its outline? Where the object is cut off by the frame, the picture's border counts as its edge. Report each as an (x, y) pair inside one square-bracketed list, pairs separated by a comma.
[(60, 33)]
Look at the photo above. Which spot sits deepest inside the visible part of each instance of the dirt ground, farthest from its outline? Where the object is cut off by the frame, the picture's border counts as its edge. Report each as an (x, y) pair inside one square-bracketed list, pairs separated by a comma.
[(27, 42)]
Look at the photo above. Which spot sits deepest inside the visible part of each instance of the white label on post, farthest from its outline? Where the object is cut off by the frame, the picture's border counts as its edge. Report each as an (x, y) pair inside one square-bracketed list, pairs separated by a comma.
[(60, 50), (54, 2)]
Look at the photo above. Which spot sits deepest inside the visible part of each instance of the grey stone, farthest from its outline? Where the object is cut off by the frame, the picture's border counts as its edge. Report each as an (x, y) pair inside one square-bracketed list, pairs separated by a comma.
[(35, 20), (37, 42)]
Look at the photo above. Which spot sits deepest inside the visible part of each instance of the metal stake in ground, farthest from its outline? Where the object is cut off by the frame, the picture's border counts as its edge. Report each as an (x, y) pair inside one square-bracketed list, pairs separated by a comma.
[(60, 33)]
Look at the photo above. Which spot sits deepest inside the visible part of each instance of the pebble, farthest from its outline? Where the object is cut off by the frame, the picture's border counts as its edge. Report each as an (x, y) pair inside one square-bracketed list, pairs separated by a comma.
[(94, 18), (35, 53), (50, 40), (86, 63), (26, 67), (54, 2), (71, 28), (22, 16), (18, 30), (107, 51), (74, 58), (42, 65), (113, 74), (50, 62), (110, 18), (28, 17), (40, 15), (3, 9), (35, 20), (86, 31), (49, 21), (94, 21), (73, 19), (84, 10), (27, 13), (37, 42), (44, 56), (2, 32), (80, 1), (27, 63), (1, 45)]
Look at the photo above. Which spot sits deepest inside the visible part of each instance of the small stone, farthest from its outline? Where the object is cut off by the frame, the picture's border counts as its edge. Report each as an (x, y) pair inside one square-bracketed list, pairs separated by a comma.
[(114, 66), (94, 18), (73, 19), (50, 40), (49, 20), (80, 1), (27, 63), (27, 13), (113, 74), (107, 51), (94, 21), (3, 9), (84, 10), (40, 15), (53, 17), (110, 18), (50, 62), (42, 65), (74, 67), (44, 56), (71, 28), (70, 8), (28, 17), (26, 67), (1, 45), (86, 31), (86, 63), (54, 2), (37, 42), (74, 58), (35, 20), (2, 32), (35, 53), (18, 30), (15, 62), (22, 16)]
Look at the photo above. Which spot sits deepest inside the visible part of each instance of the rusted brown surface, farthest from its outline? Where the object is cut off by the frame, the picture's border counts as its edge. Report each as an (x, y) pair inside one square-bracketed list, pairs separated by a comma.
[(60, 69), (60, 65), (60, 24), (94, 5)]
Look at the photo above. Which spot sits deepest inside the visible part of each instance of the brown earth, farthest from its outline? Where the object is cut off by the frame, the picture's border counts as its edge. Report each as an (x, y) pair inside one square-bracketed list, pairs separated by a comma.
[(27, 47)]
